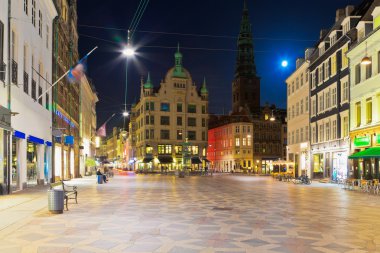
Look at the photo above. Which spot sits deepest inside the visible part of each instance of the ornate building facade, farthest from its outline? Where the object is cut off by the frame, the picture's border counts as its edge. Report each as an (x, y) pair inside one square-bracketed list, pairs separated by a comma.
[(65, 95), (169, 123)]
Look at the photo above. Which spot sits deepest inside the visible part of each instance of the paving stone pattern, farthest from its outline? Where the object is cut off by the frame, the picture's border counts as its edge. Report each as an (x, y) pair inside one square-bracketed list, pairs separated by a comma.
[(202, 214)]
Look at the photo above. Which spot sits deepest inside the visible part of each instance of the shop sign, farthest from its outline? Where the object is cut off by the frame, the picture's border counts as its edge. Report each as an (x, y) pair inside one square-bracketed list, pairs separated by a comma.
[(59, 114), (362, 141), (5, 117)]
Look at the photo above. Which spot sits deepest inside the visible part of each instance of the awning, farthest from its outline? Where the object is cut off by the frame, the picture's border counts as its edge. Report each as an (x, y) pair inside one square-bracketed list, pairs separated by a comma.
[(368, 153), (206, 160), (147, 159), (19, 134), (165, 159), (36, 140), (195, 160)]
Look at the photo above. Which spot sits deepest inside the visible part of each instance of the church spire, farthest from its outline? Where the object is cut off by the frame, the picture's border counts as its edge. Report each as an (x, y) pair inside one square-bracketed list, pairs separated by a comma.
[(178, 70), (204, 90), (148, 84), (245, 62)]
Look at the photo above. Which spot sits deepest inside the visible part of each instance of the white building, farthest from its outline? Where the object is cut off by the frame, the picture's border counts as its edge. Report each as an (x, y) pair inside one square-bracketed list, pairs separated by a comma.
[(298, 150), (28, 75), (365, 96)]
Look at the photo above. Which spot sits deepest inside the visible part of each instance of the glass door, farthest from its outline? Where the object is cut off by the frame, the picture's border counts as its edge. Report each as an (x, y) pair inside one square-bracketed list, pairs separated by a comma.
[(15, 178), (31, 163)]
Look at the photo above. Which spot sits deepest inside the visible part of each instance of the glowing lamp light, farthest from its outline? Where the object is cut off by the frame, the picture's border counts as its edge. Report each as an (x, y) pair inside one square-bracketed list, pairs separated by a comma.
[(128, 51), (366, 61), (125, 114), (284, 63)]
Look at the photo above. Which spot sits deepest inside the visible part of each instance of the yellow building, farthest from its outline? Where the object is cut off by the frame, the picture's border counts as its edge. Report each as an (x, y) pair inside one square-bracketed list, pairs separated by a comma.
[(169, 123)]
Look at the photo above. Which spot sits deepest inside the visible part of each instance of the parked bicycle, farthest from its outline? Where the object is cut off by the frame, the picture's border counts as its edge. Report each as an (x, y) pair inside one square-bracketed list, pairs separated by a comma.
[(304, 179)]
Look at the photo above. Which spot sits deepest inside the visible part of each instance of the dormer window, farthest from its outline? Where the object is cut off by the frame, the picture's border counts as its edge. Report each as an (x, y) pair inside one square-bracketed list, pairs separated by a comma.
[(333, 39), (346, 27)]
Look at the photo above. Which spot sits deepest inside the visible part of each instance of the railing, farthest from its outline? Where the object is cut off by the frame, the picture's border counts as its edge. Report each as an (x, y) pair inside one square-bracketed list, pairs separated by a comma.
[(3, 68), (26, 83), (14, 71)]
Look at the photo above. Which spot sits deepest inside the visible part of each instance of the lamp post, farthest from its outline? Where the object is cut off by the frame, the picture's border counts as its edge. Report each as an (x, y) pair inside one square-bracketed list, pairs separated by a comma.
[(127, 52)]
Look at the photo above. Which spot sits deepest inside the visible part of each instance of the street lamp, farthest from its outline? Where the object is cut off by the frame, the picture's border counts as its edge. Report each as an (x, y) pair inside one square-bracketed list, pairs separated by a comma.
[(125, 114), (128, 51)]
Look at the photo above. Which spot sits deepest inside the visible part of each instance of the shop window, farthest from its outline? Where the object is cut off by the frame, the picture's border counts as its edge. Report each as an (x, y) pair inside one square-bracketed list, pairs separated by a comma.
[(165, 107)]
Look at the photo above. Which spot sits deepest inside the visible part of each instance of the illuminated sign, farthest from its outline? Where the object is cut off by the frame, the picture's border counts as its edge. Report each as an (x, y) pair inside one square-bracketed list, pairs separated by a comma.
[(378, 139), (362, 141), (59, 114)]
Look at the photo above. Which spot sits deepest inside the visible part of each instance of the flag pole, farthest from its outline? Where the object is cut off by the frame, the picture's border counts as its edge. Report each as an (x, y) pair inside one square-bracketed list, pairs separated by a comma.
[(113, 115), (67, 72)]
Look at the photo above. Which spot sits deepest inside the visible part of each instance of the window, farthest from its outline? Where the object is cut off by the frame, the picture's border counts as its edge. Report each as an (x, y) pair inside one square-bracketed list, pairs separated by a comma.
[(297, 83), (307, 104), (191, 122), (164, 149), (179, 107), (203, 122), (334, 129), (191, 135), (301, 107), (204, 109), (147, 120), (321, 104), (306, 133), (288, 90), (178, 150), (179, 134), (321, 133), (292, 87), (152, 120), (297, 136), (165, 135), (368, 70), (40, 23), (333, 65), (47, 102), (203, 136), (345, 92), (34, 13), (358, 110), (39, 94), (301, 135), (320, 77), (345, 126), (301, 79), (26, 7), (192, 109), (147, 134), (297, 109), (357, 74), (194, 150), (328, 99), (152, 134), (334, 97), (314, 135), (344, 57), (165, 107), (47, 36), (244, 141), (327, 69), (293, 111), (165, 120), (313, 80), (237, 129), (327, 128), (151, 106), (369, 111), (237, 142), (34, 89), (179, 121), (293, 137)]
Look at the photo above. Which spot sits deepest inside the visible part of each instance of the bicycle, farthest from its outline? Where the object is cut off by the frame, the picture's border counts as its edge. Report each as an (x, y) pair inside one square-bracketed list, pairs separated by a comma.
[(302, 180)]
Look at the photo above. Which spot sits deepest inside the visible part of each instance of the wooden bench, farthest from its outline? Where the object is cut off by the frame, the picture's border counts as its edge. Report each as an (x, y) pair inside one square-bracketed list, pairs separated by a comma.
[(69, 191)]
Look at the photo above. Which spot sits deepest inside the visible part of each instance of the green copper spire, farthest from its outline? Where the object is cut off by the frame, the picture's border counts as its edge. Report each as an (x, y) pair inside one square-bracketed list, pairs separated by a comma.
[(148, 84), (204, 90), (178, 70), (245, 62)]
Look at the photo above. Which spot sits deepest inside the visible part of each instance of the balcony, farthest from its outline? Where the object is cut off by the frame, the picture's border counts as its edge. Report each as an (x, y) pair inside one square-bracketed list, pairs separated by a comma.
[(14, 71), (26, 83)]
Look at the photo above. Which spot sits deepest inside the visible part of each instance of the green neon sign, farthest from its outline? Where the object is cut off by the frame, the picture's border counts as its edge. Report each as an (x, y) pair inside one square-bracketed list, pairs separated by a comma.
[(378, 139), (362, 141)]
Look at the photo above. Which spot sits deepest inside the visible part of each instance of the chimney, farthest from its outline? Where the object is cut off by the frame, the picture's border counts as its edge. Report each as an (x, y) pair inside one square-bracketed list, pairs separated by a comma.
[(299, 62), (340, 14), (349, 10), (323, 33), (308, 53)]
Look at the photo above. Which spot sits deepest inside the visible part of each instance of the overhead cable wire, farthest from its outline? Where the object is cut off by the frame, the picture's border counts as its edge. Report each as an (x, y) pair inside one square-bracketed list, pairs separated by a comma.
[(134, 19), (198, 35), (133, 27)]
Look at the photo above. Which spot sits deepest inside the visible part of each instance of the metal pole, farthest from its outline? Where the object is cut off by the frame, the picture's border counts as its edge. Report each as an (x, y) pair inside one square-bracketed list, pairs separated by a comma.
[(126, 79), (8, 136)]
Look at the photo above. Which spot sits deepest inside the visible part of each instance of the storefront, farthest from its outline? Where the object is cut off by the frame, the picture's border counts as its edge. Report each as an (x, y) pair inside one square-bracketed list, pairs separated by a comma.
[(365, 159), (5, 163)]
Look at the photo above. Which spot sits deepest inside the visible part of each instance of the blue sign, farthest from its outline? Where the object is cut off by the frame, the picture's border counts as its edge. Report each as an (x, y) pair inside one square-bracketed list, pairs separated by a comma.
[(35, 140), (59, 114), (69, 140), (48, 143), (19, 135)]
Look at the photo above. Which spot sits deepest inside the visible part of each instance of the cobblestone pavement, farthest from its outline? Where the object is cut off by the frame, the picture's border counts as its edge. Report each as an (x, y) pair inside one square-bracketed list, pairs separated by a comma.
[(198, 214)]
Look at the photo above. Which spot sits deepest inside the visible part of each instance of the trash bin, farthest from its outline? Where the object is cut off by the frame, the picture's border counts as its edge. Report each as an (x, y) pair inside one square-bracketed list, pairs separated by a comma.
[(55, 200), (99, 179)]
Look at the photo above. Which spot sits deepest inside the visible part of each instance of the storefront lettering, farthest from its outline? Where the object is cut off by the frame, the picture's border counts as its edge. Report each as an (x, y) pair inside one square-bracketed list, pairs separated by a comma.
[(362, 141), (59, 114)]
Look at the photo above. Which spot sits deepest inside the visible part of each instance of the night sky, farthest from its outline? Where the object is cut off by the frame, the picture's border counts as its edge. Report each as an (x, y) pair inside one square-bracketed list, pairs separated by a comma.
[(282, 30)]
